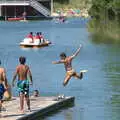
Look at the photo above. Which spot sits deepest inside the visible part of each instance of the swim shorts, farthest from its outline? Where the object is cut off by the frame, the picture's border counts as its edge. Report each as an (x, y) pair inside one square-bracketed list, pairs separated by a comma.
[(70, 73), (23, 87), (2, 90)]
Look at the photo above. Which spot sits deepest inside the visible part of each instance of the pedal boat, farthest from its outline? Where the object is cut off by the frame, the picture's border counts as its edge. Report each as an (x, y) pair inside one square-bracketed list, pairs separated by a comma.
[(27, 42)]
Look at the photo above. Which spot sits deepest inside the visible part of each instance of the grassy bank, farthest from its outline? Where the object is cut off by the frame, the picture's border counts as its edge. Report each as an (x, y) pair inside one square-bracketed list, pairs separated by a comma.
[(105, 23), (104, 32)]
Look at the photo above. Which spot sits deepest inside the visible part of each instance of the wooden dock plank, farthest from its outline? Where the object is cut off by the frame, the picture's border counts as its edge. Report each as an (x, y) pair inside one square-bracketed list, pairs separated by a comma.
[(40, 106)]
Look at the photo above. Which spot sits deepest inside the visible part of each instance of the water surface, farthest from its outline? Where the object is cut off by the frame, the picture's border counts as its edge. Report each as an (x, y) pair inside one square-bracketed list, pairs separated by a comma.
[(96, 96)]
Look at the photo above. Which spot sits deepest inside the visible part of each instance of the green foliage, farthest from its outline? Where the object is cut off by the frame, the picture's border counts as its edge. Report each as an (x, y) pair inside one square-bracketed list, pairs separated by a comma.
[(62, 1), (104, 33), (106, 20), (104, 8)]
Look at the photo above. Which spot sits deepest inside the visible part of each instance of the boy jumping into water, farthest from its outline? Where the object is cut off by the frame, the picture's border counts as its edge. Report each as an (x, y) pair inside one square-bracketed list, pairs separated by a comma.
[(67, 61), (22, 71)]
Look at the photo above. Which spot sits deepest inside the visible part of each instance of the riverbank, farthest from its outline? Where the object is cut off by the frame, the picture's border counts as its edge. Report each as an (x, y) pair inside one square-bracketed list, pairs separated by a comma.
[(76, 8), (72, 12), (104, 33)]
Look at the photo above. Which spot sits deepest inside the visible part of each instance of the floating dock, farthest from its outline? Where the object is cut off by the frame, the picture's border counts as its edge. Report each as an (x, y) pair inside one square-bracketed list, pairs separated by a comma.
[(40, 107)]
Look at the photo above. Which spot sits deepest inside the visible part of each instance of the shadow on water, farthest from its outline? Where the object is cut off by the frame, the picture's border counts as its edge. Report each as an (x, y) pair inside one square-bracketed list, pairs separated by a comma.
[(67, 107)]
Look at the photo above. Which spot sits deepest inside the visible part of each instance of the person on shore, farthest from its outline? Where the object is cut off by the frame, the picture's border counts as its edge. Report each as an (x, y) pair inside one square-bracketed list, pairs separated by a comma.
[(24, 15), (22, 71), (3, 84), (67, 61)]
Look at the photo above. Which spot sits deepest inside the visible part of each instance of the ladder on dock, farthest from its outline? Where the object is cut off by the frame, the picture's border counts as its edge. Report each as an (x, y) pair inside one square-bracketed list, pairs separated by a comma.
[(40, 8)]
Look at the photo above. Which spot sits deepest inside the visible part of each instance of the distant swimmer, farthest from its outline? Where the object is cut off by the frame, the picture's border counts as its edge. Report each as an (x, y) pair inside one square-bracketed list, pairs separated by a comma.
[(67, 61), (36, 93), (23, 72), (3, 84), (62, 18)]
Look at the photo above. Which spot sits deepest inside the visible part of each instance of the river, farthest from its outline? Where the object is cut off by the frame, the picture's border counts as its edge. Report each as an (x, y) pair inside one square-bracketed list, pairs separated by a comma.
[(97, 96)]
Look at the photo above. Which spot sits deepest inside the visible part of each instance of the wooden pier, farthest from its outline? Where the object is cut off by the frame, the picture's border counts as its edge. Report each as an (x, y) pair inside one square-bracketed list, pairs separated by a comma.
[(40, 107)]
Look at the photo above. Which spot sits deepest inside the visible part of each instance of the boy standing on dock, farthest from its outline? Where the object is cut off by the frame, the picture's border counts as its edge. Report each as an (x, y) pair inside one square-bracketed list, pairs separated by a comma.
[(3, 84), (22, 71), (67, 61)]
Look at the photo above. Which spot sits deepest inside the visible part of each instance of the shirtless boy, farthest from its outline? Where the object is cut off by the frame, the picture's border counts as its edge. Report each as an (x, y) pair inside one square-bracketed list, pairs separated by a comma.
[(67, 61), (3, 84), (22, 71)]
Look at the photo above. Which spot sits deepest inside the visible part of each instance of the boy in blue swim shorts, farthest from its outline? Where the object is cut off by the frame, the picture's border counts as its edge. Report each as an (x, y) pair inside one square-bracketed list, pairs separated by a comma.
[(22, 72), (23, 87)]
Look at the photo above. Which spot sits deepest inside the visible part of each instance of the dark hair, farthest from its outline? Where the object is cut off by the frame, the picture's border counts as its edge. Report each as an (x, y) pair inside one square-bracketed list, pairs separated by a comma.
[(63, 55), (37, 33), (22, 60), (31, 32), (40, 33)]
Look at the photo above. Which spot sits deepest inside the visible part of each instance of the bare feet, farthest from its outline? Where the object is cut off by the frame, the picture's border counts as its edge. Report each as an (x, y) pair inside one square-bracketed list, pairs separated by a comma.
[(21, 111)]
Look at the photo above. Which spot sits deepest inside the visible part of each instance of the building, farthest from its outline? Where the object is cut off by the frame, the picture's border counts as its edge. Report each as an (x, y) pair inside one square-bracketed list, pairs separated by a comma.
[(25, 8)]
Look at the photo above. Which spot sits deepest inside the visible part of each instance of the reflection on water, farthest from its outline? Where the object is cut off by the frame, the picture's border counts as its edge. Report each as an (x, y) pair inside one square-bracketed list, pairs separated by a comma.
[(104, 32), (96, 96)]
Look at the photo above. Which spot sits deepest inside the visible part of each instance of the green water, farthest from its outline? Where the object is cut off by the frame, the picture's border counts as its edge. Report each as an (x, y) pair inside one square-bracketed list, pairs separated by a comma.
[(105, 31)]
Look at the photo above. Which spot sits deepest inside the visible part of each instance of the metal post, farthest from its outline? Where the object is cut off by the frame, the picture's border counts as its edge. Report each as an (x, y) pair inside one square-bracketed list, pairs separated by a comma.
[(0, 11), (51, 7), (15, 11), (5, 12)]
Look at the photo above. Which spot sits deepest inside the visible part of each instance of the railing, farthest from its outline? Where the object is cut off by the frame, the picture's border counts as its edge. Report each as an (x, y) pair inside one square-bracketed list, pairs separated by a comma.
[(14, 2), (39, 7)]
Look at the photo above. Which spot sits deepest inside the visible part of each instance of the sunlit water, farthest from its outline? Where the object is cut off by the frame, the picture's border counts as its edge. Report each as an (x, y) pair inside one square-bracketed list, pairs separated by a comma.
[(97, 96)]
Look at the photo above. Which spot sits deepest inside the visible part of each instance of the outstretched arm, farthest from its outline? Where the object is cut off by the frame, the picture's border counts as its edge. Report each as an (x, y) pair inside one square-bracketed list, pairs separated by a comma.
[(77, 52), (58, 62)]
